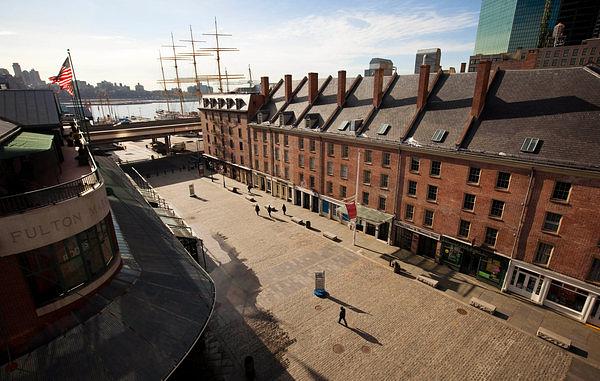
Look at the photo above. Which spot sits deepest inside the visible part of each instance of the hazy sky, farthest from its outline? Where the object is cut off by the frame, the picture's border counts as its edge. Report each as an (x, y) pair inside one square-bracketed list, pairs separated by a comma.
[(119, 41)]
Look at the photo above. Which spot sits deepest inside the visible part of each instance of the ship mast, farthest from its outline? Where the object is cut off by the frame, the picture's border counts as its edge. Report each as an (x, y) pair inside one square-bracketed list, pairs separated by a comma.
[(162, 69), (194, 54), (177, 81), (218, 50)]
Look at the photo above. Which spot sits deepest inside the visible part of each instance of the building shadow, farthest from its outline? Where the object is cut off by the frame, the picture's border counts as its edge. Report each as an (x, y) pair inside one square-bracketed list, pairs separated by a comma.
[(365, 335), (348, 306)]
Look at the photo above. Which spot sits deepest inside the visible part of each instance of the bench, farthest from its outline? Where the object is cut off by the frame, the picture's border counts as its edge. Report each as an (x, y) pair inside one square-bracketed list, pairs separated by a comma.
[(297, 220), (428, 281), (484, 306), (331, 236), (250, 198), (554, 338)]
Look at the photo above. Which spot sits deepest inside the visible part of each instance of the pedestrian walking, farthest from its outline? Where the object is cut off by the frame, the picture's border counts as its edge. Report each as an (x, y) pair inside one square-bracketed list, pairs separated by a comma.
[(249, 189), (342, 316), (257, 209), (284, 209), (269, 209)]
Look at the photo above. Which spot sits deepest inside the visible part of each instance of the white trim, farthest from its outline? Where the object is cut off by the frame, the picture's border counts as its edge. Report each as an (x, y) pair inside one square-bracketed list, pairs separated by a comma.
[(418, 230), (556, 276)]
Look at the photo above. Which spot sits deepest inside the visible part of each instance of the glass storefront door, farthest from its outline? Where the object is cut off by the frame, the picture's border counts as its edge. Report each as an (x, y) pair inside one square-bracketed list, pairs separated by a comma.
[(595, 314), (524, 282)]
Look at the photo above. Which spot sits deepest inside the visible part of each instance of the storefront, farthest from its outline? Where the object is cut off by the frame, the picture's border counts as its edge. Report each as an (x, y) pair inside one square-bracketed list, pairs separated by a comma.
[(415, 239), (475, 261), (331, 208), (572, 297), (282, 189), (373, 222)]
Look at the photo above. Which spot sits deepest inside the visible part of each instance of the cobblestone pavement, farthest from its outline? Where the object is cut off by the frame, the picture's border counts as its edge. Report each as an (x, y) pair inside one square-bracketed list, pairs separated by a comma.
[(398, 328)]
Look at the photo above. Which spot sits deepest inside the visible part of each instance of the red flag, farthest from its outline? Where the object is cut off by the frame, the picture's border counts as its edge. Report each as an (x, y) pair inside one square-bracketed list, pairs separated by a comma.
[(351, 208), (64, 77)]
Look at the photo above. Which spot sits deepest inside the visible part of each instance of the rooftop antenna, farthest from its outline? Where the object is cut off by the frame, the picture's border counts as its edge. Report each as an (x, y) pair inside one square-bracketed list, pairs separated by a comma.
[(174, 58), (250, 83), (164, 81), (195, 54), (219, 49)]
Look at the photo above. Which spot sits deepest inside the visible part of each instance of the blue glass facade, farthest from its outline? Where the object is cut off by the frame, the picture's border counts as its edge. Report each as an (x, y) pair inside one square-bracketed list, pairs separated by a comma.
[(506, 25)]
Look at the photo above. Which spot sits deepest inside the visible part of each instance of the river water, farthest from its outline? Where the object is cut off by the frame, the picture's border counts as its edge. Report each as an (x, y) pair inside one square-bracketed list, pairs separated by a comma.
[(145, 110)]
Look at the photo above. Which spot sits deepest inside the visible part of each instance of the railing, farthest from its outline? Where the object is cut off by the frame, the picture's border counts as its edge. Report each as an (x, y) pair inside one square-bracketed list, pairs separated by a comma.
[(51, 195)]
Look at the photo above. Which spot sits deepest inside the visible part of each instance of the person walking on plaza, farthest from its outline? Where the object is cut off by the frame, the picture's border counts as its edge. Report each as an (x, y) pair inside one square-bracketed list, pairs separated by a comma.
[(284, 209), (342, 316), (249, 189), (269, 210), (257, 209)]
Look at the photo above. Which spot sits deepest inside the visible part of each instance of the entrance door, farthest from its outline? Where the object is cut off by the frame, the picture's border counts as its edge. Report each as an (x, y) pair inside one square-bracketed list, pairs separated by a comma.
[(370, 229), (315, 204), (262, 183), (305, 201), (406, 237), (469, 262), (325, 208), (383, 231), (298, 200), (595, 315), (524, 282), (426, 246)]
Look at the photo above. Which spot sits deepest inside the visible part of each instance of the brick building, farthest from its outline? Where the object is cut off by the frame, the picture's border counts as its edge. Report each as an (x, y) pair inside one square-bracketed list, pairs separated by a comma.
[(493, 173)]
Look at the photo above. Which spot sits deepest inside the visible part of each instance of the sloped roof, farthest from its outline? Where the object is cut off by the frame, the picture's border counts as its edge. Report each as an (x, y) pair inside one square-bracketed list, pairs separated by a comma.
[(358, 105), (278, 99), (29, 108), (6, 128), (561, 107), (326, 103), (300, 102)]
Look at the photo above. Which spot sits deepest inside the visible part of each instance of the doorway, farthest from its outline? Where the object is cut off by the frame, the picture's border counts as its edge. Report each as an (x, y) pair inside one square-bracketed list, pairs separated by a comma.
[(298, 200), (383, 231), (315, 204), (426, 246), (524, 282), (595, 314)]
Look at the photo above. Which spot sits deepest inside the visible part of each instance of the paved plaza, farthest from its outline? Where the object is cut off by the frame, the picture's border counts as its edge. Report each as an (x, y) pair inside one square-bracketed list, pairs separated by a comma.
[(399, 328)]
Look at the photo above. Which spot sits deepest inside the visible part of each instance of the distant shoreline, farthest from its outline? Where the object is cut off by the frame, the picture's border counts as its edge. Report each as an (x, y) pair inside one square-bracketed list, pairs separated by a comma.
[(98, 102)]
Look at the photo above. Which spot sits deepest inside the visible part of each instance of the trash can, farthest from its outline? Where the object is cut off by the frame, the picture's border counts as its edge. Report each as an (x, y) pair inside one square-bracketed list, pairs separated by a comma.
[(307, 224)]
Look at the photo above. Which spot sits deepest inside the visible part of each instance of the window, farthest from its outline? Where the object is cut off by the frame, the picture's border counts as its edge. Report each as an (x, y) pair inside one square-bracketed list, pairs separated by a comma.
[(255, 134), (301, 161), (345, 150), (543, 253), (276, 170), (368, 156), (311, 180), (330, 168), (312, 145), (276, 137), (330, 149), (300, 143), (311, 163), (412, 188), (365, 198), (573, 61), (566, 53), (265, 150), (342, 191), (552, 222), (256, 164), (438, 135), (266, 166), (530, 145), (547, 55), (503, 180), (239, 133), (594, 275), (344, 171), (329, 187), (383, 180), (241, 146), (286, 172), (497, 208), (474, 175), (575, 51), (276, 153), (414, 164), (256, 149), (561, 191), (409, 212), (286, 156), (469, 202), (285, 140), (491, 235), (566, 295), (241, 160), (436, 168), (432, 192), (386, 159), (381, 205), (428, 218), (264, 136), (463, 228), (366, 177)]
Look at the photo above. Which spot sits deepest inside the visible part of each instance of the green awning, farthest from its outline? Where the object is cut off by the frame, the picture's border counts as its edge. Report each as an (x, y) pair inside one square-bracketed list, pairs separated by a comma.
[(26, 143), (372, 215)]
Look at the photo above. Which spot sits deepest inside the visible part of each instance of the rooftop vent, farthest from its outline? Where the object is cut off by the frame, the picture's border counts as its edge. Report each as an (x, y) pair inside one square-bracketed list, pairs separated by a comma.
[(530, 145), (344, 125), (438, 135), (383, 129)]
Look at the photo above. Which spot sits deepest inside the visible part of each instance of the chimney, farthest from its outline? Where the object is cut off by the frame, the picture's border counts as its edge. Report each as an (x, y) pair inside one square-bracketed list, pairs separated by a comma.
[(264, 86), (377, 87), (313, 87), (341, 94), (288, 87), (481, 85), (463, 67), (423, 86)]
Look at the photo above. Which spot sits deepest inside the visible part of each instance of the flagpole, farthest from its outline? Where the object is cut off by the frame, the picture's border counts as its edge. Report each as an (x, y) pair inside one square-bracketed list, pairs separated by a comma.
[(76, 88), (356, 197)]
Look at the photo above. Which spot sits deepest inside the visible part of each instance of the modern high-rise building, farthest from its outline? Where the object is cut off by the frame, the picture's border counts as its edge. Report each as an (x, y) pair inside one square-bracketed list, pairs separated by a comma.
[(380, 63), (429, 57), (580, 17), (17, 70), (507, 25)]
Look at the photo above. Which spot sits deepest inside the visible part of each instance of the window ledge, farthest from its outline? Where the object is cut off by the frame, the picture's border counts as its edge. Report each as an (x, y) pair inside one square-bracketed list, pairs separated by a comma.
[(432, 201), (411, 195), (550, 232), (505, 190), (435, 176), (559, 201), (472, 211), (495, 218)]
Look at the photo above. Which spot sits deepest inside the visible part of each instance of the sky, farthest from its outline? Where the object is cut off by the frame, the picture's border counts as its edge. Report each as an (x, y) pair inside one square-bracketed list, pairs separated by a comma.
[(119, 41)]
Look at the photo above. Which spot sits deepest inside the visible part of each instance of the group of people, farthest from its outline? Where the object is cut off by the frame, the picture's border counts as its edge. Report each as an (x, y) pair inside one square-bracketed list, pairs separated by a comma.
[(270, 209)]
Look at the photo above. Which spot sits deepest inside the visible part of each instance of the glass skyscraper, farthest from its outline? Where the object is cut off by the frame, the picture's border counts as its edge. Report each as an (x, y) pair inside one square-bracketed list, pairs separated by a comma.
[(506, 25)]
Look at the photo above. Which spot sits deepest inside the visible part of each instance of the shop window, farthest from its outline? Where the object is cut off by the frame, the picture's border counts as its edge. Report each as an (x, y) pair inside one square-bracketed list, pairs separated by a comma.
[(567, 296), (469, 202), (384, 181), (492, 270), (301, 143), (474, 174), (503, 180), (329, 187), (464, 228), (342, 191), (330, 149), (412, 188), (409, 212), (366, 177), (311, 163), (543, 254), (414, 164), (312, 145), (436, 168), (491, 235), (386, 159), (330, 168), (345, 151), (552, 222), (428, 218), (561, 191), (368, 156), (365, 198), (381, 205), (594, 275), (497, 208), (301, 161), (344, 171), (432, 192)]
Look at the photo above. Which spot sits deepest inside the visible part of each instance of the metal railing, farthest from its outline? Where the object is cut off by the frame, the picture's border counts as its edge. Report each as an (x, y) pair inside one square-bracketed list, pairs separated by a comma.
[(50, 195)]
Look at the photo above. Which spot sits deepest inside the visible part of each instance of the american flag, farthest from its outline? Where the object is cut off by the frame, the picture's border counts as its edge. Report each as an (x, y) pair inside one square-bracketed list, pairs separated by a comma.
[(64, 77)]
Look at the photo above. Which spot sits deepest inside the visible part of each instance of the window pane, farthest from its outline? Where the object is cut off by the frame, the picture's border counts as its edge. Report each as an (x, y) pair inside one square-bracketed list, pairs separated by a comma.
[(474, 175)]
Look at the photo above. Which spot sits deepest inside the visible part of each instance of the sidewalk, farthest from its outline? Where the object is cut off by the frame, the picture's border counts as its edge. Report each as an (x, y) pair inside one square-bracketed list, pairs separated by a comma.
[(511, 309)]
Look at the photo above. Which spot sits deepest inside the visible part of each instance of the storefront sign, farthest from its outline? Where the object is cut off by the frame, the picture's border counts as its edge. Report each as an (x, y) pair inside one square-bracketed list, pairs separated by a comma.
[(418, 230)]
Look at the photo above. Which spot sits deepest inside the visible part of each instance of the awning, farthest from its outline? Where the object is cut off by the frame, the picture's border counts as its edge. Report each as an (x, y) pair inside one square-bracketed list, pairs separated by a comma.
[(26, 143), (372, 215)]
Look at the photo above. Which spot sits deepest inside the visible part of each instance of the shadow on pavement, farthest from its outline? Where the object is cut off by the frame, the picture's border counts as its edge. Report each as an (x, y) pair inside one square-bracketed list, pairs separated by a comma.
[(501, 315), (578, 351), (367, 336), (199, 198), (349, 306)]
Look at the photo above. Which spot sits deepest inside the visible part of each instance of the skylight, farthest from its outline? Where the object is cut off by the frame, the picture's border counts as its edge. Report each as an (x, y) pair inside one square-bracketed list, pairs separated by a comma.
[(383, 129), (344, 125), (530, 145), (438, 135)]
